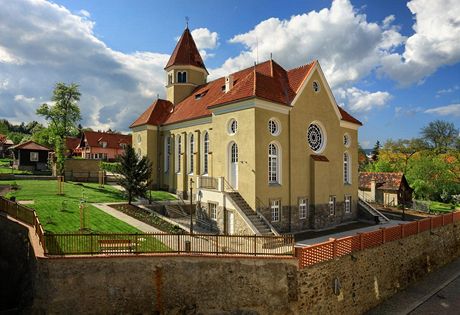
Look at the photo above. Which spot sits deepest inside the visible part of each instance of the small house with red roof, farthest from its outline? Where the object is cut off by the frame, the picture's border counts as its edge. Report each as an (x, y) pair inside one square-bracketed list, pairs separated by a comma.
[(72, 146), (106, 146), (5, 144), (30, 156), (264, 150), (389, 189)]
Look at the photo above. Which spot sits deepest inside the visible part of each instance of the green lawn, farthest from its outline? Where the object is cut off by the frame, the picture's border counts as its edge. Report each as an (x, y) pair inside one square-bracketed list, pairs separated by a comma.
[(158, 195), (441, 207), (60, 214), (6, 169)]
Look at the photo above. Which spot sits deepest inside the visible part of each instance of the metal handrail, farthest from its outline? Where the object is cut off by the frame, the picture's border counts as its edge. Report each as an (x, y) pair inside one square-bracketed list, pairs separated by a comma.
[(372, 209)]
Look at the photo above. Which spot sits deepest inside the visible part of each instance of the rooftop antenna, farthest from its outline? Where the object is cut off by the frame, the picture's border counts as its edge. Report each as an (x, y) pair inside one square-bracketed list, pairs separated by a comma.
[(187, 19)]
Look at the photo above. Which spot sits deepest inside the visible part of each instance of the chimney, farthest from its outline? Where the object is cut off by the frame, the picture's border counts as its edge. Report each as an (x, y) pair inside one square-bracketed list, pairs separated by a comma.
[(228, 83)]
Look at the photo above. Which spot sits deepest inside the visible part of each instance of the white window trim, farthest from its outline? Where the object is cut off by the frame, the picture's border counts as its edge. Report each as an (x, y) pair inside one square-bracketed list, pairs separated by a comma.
[(303, 202), (332, 205), (278, 164), (178, 151), (272, 210), (278, 125), (139, 139), (204, 154), (346, 179), (229, 127), (167, 152), (347, 135), (190, 155), (210, 205), (347, 201), (36, 156), (318, 85)]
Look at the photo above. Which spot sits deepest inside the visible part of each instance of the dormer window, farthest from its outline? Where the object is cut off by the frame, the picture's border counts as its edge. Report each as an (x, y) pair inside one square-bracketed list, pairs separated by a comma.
[(182, 77), (200, 95), (103, 144)]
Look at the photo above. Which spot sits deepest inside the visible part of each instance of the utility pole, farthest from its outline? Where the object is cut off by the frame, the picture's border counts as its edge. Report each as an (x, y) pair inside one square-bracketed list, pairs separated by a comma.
[(191, 206)]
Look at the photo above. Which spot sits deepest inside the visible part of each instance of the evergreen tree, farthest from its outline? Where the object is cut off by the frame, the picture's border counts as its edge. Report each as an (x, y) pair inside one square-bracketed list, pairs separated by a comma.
[(376, 151), (135, 173)]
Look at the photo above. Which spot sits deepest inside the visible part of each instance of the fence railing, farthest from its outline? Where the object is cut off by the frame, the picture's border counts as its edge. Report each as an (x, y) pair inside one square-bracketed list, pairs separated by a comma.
[(122, 244), (207, 182), (25, 215), (335, 248)]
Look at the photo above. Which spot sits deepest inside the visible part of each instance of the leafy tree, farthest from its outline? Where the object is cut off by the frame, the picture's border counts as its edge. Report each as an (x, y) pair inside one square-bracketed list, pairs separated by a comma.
[(135, 173), (362, 159), (440, 135), (62, 116), (376, 151)]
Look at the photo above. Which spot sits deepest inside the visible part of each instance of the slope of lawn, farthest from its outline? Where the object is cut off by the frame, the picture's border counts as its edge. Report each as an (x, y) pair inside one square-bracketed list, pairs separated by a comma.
[(5, 168), (60, 214)]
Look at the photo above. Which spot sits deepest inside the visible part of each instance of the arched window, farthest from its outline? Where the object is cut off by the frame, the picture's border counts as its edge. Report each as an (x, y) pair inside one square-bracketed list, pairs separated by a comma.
[(178, 152), (346, 168), (170, 79), (273, 164), (191, 145), (206, 153), (167, 153), (182, 77)]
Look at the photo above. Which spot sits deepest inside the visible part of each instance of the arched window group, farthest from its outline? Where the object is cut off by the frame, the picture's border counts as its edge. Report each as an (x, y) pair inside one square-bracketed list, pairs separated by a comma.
[(178, 152), (191, 146), (167, 153)]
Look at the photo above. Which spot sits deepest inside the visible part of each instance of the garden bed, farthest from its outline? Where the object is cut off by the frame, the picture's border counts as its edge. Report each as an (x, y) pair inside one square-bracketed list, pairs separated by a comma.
[(148, 217)]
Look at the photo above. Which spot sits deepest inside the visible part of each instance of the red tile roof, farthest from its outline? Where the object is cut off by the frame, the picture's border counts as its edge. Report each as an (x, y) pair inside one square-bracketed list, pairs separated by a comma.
[(383, 180), (156, 114), (186, 52), (72, 143), (30, 145), (113, 140), (2, 138), (267, 80)]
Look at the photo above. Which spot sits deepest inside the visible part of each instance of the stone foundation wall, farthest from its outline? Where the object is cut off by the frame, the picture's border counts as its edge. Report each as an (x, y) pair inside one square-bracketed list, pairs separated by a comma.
[(321, 218)]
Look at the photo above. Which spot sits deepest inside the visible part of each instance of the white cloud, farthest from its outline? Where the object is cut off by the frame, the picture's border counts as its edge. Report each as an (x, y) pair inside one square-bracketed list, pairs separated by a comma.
[(84, 13), (447, 91), (434, 44), (448, 110), (358, 100), (50, 44), (346, 44), (406, 111), (24, 99), (204, 38)]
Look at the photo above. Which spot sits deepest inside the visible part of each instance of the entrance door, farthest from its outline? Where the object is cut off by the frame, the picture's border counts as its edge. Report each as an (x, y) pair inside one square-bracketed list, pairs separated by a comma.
[(233, 169), (230, 223)]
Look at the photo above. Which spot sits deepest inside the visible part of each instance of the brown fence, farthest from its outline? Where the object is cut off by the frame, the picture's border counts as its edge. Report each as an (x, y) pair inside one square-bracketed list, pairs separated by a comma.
[(334, 248), (24, 214), (117, 244), (208, 182)]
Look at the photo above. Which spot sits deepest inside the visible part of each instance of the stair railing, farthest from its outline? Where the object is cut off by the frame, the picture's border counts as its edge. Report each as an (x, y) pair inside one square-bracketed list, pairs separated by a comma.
[(371, 209), (261, 203)]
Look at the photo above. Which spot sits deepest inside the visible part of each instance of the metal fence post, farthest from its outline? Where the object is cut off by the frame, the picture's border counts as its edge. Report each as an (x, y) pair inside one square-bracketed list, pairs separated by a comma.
[(255, 244)]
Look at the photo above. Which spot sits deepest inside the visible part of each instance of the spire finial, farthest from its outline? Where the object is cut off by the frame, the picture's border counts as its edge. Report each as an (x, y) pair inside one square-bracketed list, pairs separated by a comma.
[(187, 19)]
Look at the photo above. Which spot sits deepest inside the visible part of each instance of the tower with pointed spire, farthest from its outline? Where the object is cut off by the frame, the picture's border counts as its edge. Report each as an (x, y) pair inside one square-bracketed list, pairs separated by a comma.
[(185, 69)]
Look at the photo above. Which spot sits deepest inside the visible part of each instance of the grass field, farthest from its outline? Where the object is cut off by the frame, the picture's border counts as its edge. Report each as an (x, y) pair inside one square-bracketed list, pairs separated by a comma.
[(441, 207), (59, 214), (6, 169)]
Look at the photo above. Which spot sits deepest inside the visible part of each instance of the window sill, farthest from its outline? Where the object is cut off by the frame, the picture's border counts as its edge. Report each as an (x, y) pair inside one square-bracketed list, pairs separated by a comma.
[(274, 185)]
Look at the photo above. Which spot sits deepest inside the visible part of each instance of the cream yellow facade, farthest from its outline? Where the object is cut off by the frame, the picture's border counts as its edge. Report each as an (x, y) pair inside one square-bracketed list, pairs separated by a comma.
[(293, 163)]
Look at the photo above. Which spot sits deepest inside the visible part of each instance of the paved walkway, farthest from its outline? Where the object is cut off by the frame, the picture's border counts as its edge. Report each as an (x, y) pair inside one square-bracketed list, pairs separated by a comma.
[(437, 293), (144, 227), (325, 238)]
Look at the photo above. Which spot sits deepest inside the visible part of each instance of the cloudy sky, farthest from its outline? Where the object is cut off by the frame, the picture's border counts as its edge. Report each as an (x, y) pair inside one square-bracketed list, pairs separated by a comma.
[(394, 65)]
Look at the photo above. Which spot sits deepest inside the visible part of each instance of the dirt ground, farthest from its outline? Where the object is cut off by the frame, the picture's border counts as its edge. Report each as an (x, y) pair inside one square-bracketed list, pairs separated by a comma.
[(4, 189)]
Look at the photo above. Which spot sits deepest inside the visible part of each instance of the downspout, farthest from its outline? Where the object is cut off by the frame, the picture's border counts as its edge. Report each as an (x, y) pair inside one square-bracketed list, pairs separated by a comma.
[(290, 174)]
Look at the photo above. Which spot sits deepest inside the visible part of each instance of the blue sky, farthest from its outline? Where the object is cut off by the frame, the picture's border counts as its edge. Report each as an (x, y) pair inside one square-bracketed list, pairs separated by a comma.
[(394, 65)]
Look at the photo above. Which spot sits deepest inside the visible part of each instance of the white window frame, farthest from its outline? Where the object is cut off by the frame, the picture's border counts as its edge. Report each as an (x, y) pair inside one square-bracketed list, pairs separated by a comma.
[(34, 156), (346, 140), (347, 204), (332, 204), (274, 122), (275, 210), (323, 134), (212, 210), (303, 207), (139, 138), (274, 161), (232, 122), (346, 168), (181, 75), (178, 152), (167, 144), (206, 151), (191, 149)]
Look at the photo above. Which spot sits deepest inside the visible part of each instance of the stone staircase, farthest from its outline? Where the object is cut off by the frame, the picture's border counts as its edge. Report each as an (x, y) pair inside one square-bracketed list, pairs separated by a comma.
[(259, 223), (370, 213), (175, 211)]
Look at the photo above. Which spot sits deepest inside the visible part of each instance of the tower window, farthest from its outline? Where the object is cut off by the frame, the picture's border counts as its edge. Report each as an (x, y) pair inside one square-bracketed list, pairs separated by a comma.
[(182, 77)]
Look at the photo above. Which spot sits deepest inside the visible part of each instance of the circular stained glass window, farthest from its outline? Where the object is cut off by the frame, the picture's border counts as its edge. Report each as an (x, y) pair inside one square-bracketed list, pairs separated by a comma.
[(315, 138), (273, 127)]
